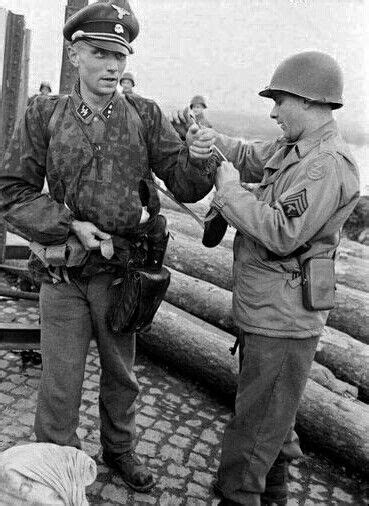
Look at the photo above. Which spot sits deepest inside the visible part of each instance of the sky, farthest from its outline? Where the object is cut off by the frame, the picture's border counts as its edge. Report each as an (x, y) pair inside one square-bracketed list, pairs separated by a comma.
[(225, 50)]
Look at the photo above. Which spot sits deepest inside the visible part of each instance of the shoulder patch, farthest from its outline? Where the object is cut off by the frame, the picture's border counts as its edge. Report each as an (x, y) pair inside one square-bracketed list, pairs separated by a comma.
[(316, 169), (295, 204)]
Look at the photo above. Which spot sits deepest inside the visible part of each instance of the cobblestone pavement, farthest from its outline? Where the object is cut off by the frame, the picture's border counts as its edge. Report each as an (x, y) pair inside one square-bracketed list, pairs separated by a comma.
[(180, 427)]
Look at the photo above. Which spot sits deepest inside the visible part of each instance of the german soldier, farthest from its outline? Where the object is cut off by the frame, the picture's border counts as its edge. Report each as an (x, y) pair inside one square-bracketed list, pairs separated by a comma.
[(98, 161)]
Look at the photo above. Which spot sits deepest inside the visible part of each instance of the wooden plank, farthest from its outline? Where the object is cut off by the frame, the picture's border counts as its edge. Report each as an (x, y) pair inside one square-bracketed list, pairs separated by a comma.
[(18, 252), (68, 73), (11, 74), (16, 247), (3, 18), (2, 241), (11, 71), (19, 336), (23, 86)]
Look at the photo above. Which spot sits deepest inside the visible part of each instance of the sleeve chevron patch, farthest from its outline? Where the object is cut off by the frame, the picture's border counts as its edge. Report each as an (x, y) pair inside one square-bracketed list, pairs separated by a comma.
[(295, 204)]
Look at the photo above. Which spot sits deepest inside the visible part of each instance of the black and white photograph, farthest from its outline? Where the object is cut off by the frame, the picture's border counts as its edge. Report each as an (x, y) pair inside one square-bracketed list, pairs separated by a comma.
[(184, 241)]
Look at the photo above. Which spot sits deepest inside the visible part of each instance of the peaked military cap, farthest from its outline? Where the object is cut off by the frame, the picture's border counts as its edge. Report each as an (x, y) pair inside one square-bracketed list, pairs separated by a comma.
[(107, 25)]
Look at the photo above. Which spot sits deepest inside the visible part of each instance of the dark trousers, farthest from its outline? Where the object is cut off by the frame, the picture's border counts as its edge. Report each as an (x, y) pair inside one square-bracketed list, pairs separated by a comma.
[(70, 315), (271, 383)]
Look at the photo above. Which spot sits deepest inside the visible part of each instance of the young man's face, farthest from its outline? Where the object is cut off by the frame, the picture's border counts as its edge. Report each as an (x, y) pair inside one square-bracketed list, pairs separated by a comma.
[(289, 113), (127, 85), (44, 90), (99, 70), (198, 109)]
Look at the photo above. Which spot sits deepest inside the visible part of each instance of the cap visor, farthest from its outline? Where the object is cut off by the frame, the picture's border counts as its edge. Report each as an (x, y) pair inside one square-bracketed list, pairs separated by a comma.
[(266, 93), (115, 47)]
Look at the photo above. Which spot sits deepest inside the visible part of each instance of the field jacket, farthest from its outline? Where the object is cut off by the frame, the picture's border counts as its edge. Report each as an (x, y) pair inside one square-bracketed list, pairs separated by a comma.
[(297, 209), (106, 183)]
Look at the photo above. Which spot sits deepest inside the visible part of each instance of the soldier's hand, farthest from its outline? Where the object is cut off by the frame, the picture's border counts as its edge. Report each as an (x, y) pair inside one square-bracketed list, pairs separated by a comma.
[(200, 141), (181, 121), (226, 173), (89, 235)]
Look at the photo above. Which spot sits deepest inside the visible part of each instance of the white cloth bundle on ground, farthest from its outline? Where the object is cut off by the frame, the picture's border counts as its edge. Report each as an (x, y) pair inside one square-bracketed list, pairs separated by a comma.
[(45, 474)]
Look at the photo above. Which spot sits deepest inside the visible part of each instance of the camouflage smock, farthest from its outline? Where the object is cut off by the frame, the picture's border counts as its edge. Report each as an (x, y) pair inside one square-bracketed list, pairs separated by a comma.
[(100, 183), (303, 198)]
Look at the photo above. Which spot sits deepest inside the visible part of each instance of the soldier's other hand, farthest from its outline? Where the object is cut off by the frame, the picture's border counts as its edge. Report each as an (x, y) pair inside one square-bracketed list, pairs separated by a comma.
[(200, 141), (177, 117), (144, 215), (226, 173), (88, 233), (181, 122)]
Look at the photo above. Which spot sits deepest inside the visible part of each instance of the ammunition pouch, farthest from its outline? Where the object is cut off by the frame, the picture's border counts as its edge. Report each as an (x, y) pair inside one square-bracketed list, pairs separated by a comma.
[(52, 261)]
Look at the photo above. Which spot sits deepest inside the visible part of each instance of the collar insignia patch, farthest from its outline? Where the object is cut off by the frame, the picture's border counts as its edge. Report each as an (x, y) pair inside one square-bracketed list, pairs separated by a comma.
[(295, 204), (84, 111), (121, 11), (108, 110)]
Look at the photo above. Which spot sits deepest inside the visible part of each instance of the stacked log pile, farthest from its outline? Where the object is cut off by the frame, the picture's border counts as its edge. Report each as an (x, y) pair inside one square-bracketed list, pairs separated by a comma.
[(194, 331)]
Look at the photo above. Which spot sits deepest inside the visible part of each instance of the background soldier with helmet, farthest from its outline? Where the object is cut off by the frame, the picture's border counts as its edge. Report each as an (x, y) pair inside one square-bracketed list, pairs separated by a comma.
[(197, 107), (45, 89), (127, 82), (287, 228)]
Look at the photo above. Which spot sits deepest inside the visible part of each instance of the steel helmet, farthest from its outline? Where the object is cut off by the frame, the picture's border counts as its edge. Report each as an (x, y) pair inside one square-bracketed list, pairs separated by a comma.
[(311, 74), (45, 84), (198, 100), (129, 76)]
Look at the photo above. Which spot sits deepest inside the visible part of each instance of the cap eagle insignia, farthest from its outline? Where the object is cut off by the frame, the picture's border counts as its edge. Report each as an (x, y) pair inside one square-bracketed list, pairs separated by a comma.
[(121, 11)]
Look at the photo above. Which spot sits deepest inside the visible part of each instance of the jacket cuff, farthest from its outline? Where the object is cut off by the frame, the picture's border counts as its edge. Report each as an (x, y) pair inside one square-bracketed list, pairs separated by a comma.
[(222, 196)]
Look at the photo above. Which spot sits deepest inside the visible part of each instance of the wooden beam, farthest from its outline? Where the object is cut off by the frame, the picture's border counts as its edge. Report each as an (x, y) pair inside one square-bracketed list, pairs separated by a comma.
[(68, 73), (19, 336), (12, 51)]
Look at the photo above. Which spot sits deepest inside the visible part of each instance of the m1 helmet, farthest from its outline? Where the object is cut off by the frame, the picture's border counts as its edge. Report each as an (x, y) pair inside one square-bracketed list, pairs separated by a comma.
[(129, 76), (45, 84), (312, 75), (198, 100)]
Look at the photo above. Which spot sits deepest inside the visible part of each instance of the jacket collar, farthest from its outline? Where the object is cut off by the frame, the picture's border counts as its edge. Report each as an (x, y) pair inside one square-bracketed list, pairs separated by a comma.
[(85, 112), (323, 133), (302, 147)]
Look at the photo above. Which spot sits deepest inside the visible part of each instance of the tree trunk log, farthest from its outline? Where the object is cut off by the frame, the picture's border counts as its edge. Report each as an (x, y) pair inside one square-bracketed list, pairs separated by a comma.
[(351, 313), (180, 222), (351, 270), (177, 215), (327, 379), (200, 208), (185, 254), (194, 347), (346, 357), (18, 294), (354, 249), (335, 424)]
